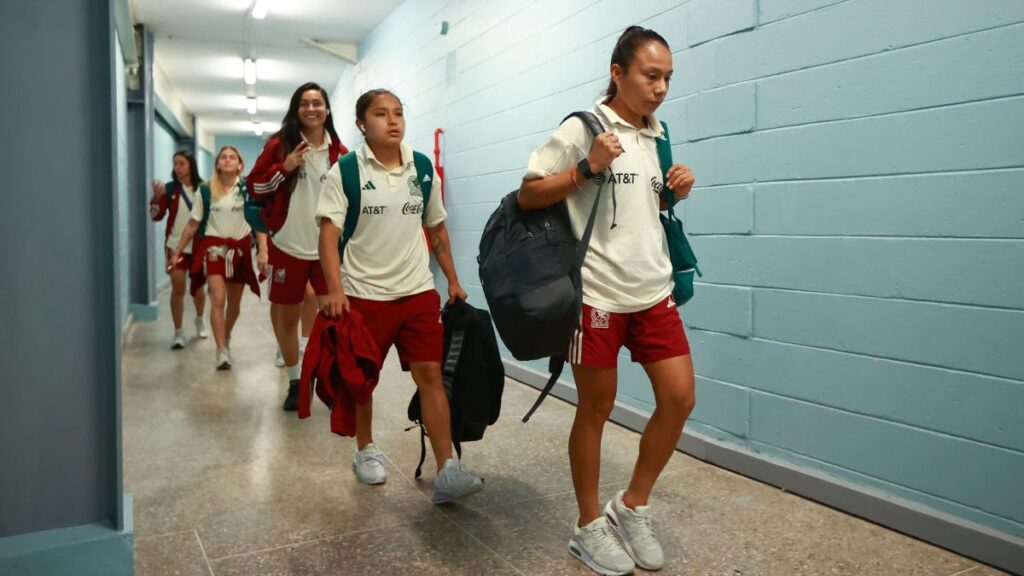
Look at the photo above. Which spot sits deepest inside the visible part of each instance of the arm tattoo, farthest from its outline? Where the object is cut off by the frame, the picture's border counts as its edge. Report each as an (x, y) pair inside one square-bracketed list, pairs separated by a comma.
[(438, 245)]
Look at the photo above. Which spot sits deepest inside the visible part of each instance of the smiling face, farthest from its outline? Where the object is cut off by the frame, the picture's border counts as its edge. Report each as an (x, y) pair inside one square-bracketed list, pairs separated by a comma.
[(385, 121), (312, 109), (643, 85)]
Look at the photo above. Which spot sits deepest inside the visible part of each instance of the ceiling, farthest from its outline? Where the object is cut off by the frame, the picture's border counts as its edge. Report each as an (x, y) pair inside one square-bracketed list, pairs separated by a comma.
[(200, 44)]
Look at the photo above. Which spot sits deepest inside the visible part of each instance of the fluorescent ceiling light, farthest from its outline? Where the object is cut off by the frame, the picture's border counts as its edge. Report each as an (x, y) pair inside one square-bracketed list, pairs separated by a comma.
[(250, 105), (249, 71), (260, 9), (257, 128)]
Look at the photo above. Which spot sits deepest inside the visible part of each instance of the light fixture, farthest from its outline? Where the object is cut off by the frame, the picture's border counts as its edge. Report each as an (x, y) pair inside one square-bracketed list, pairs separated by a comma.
[(250, 105), (249, 71), (257, 128), (260, 9)]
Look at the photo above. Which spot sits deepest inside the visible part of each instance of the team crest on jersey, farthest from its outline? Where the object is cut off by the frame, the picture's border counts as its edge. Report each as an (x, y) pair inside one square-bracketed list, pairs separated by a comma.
[(279, 275), (414, 187), (598, 318)]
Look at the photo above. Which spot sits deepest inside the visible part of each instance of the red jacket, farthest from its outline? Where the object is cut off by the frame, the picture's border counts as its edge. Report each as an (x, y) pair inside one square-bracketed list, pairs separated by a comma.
[(238, 260), (160, 206), (268, 177), (343, 361)]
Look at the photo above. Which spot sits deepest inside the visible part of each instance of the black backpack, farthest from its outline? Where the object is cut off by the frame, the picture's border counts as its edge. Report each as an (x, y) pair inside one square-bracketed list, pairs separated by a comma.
[(473, 375), (530, 265)]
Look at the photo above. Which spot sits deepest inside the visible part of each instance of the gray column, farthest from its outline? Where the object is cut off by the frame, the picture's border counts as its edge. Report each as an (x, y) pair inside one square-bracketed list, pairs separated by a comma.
[(143, 274), (60, 343)]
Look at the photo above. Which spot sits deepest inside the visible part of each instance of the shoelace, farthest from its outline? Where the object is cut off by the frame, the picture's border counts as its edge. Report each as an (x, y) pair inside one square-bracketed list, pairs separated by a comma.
[(646, 525), (376, 456), (607, 537)]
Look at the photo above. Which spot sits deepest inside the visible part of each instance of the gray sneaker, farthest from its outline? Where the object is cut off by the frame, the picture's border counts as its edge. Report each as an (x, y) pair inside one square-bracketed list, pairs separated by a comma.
[(599, 547), (201, 330), (636, 528), (453, 482), (223, 359), (369, 466), (179, 340)]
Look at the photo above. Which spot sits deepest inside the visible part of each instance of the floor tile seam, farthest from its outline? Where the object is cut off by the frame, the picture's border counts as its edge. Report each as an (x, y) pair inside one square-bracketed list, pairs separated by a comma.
[(312, 541), (164, 535), (535, 498), (203, 550), (968, 571), (485, 546)]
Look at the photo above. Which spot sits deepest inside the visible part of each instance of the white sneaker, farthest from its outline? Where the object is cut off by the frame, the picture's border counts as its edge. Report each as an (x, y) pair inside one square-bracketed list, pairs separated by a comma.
[(599, 547), (223, 359), (201, 329), (279, 359), (453, 482), (369, 466), (179, 340), (636, 528)]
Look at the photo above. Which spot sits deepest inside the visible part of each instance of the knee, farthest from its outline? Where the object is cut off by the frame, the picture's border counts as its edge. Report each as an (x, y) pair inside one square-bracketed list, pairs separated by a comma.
[(429, 382), (679, 401), (219, 301), (595, 412)]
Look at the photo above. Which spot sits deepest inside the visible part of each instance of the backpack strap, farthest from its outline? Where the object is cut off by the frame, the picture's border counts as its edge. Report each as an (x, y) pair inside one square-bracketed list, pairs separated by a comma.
[(425, 177), (349, 167), (204, 193), (251, 209), (664, 146), (181, 192), (557, 363)]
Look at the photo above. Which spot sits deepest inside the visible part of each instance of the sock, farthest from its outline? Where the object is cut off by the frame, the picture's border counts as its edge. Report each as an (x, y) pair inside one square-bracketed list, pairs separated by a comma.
[(179, 331), (294, 372)]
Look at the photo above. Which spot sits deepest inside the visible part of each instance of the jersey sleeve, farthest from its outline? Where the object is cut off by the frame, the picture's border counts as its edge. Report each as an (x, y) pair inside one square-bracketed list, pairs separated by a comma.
[(198, 210), (435, 212), (333, 204), (564, 149)]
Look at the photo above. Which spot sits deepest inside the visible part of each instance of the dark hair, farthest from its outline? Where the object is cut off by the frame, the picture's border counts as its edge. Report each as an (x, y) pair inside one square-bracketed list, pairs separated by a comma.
[(291, 128), (632, 38), (193, 169), (364, 101)]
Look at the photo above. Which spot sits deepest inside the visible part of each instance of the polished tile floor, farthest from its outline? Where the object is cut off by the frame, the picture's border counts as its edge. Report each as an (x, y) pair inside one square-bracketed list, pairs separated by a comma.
[(225, 483)]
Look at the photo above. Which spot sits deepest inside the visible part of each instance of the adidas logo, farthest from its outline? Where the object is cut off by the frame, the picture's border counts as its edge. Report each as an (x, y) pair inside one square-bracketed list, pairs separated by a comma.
[(369, 186), (426, 177)]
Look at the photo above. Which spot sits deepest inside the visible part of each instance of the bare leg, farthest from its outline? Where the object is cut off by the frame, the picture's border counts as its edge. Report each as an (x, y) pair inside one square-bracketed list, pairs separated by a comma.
[(596, 388)]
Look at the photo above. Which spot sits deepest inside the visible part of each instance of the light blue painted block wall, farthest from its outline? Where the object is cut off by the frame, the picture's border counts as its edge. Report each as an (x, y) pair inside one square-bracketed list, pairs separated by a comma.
[(164, 146), (860, 166), (248, 146), (123, 210), (205, 162)]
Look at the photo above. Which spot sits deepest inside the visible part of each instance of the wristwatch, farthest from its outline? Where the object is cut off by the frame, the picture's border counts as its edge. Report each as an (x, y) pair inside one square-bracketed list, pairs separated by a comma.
[(584, 169)]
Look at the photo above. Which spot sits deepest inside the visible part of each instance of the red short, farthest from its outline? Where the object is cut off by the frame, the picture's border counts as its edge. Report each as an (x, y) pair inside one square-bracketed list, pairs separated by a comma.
[(651, 335), (214, 265), (184, 263), (289, 275), (412, 324)]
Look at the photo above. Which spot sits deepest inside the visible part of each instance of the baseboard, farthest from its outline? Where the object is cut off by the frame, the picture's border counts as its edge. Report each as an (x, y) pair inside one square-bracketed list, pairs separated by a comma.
[(982, 543), (145, 312), (87, 550)]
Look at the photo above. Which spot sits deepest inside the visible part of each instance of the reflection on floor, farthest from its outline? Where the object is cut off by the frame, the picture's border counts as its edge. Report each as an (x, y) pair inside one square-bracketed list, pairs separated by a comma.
[(227, 483)]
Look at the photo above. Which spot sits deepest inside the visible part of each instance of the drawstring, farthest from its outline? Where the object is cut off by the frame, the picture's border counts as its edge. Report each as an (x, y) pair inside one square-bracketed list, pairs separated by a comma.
[(615, 205)]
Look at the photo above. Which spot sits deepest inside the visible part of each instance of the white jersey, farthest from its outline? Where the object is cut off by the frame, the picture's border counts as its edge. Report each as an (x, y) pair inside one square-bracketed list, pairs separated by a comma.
[(181, 220), (300, 235), (627, 267), (227, 215), (387, 256)]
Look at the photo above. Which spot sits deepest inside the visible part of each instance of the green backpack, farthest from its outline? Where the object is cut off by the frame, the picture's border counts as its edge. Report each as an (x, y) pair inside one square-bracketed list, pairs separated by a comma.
[(684, 261), (349, 167)]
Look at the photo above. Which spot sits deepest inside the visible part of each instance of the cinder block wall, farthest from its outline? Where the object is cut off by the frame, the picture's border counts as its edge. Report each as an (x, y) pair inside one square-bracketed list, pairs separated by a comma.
[(859, 217)]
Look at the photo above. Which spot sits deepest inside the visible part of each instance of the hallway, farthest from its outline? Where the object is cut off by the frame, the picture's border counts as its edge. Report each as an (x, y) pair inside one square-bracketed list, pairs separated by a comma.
[(225, 483)]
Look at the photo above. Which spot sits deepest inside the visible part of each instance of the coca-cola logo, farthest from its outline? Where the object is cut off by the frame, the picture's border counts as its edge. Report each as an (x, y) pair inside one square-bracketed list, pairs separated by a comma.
[(410, 208)]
